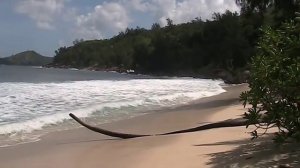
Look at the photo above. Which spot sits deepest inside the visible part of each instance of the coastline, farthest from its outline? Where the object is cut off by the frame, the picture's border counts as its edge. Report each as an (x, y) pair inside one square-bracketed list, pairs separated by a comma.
[(82, 148), (238, 77)]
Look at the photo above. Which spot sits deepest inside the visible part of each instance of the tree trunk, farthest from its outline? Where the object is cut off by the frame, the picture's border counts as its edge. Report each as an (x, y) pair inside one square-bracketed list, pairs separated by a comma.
[(226, 123)]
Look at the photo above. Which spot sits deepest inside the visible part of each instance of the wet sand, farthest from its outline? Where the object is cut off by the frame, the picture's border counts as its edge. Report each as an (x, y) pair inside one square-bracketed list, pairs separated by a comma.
[(223, 147)]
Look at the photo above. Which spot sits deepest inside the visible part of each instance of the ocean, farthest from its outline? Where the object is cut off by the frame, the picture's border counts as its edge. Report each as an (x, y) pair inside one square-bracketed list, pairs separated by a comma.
[(35, 101)]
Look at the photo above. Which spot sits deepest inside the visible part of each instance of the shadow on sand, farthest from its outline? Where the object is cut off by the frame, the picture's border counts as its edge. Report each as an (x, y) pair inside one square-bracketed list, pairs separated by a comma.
[(261, 153)]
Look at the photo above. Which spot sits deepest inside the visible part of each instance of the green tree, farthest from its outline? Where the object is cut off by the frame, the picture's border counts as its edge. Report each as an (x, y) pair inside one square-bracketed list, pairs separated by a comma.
[(280, 10), (274, 94), (226, 42), (170, 22), (155, 26)]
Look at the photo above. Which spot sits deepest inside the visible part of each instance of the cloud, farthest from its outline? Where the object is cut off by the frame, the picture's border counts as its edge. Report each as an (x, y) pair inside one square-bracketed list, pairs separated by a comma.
[(110, 17), (181, 11), (107, 18), (190, 9), (139, 5), (43, 12)]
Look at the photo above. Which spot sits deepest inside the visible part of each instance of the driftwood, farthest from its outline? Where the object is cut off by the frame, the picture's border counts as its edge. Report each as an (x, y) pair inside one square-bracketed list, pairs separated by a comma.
[(221, 124), (105, 132)]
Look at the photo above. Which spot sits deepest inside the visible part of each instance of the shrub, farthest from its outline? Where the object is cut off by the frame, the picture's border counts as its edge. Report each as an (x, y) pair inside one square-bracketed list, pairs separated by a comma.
[(274, 95)]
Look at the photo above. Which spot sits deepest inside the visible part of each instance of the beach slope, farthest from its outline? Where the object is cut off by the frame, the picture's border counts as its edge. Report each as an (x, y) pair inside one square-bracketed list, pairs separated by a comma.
[(223, 147)]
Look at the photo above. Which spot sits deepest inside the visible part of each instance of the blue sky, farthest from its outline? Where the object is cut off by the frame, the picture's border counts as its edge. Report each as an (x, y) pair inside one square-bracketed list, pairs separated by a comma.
[(45, 25)]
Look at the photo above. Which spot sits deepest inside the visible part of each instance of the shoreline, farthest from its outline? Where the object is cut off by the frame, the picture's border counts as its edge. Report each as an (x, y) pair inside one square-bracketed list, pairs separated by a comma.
[(133, 72), (36, 135), (239, 77), (80, 148), (205, 102), (14, 139)]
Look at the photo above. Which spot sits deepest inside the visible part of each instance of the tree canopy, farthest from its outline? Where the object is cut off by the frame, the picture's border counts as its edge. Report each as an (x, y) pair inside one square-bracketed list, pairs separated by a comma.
[(226, 42), (222, 42), (278, 10)]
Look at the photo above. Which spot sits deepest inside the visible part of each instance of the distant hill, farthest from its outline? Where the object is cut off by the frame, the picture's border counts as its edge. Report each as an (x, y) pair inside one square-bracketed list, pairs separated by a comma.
[(30, 58)]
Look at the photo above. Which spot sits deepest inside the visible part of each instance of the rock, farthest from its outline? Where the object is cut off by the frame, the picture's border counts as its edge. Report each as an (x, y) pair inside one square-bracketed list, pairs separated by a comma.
[(235, 77), (285, 166)]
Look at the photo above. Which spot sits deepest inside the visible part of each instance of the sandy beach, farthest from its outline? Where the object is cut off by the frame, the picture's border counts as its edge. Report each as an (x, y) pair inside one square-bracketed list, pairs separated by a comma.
[(224, 147)]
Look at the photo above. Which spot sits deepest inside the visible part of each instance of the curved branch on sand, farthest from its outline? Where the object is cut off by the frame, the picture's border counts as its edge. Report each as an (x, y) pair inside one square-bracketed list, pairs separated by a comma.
[(226, 123), (105, 132)]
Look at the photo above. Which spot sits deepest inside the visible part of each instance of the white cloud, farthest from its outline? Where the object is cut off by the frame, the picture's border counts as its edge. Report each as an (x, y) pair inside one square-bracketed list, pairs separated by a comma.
[(183, 10), (187, 10), (139, 5), (108, 18), (43, 12)]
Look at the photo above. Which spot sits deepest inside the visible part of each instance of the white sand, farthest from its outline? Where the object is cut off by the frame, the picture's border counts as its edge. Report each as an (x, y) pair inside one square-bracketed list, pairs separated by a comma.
[(224, 147)]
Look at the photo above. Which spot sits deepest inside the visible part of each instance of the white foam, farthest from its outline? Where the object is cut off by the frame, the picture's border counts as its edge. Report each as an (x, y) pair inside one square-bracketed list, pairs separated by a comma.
[(25, 107)]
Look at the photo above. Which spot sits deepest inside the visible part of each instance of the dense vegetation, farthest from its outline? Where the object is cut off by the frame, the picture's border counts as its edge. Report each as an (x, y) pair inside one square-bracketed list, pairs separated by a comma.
[(26, 58), (276, 11), (223, 44), (274, 81), (274, 94), (226, 42)]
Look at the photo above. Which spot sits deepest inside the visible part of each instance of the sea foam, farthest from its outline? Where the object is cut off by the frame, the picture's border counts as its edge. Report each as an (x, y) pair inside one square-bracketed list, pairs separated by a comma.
[(25, 107)]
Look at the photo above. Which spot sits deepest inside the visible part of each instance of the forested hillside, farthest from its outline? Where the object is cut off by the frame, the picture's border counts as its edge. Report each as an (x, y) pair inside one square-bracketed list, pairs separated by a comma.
[(30, 58), (225, 43)]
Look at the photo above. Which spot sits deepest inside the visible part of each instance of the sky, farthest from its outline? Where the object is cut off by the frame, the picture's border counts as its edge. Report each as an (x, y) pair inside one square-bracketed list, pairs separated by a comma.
[(46, 25)]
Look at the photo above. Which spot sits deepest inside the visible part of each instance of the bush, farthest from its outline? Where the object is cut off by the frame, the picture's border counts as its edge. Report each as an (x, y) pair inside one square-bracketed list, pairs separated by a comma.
[(274, 94)]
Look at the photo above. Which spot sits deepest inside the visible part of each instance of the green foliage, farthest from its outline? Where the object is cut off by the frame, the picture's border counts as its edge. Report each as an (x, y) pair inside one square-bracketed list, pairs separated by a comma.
[(274, 83), (220, 43), (278, 11), (226, 42)]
